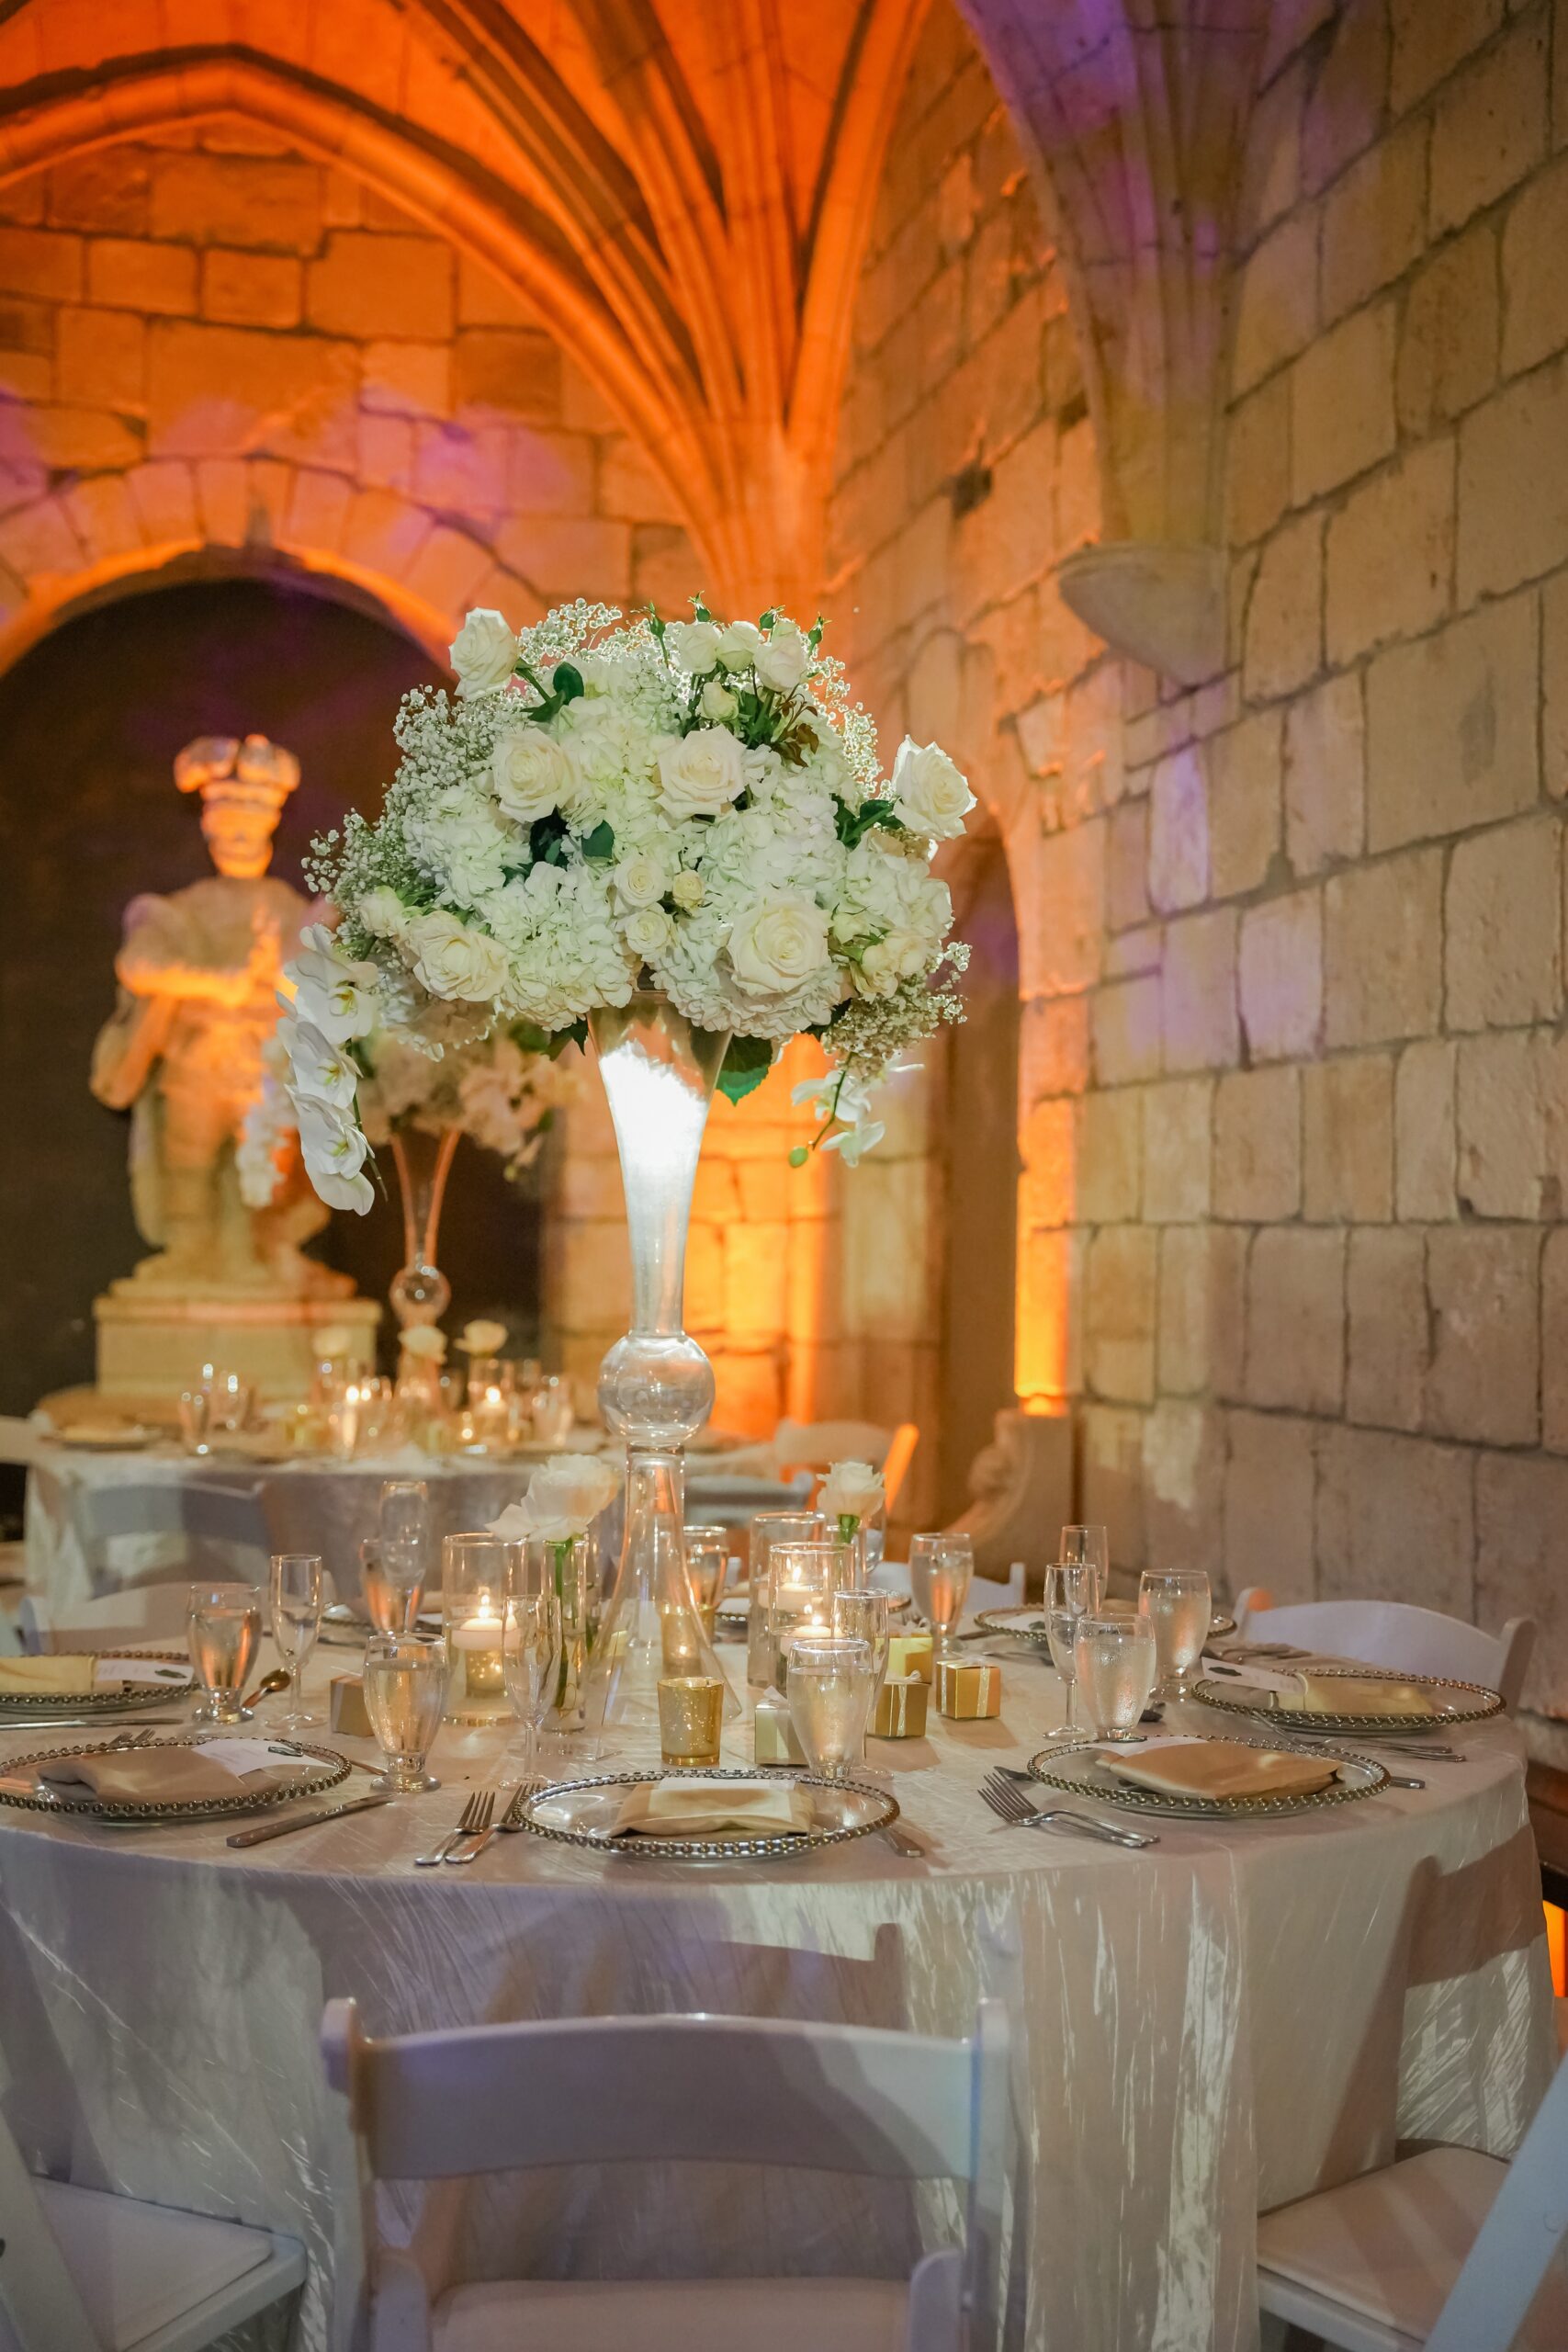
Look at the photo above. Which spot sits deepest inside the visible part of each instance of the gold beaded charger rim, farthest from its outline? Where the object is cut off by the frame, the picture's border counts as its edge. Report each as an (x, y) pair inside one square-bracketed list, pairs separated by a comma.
[(1091, 1777), (877, 1808), (19, 1707), (1476, 1705), (133, 1812)]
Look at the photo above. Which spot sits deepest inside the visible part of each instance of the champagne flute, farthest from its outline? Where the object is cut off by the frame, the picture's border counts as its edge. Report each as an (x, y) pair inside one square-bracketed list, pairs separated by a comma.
[(403, 1513), (1088, 1547), (1175, 1603), (832, 1686), (392, 1581), (707, 1564), (1070, 1592), (405, 1691), (295, 1590), (940, 1568), (1114, 1659), (866, 1617), (223, 1628), (530, 1658)]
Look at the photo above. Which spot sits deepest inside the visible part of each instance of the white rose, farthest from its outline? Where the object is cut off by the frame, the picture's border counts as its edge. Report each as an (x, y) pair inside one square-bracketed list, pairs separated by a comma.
[(785, 657), (777, 944), (851, 1491), (450, 960), (739, 645), (929, 794), (902, 956), (333, 1150), (565, 1495), (422, 1339), (695, 645), (481, 1338), (316, 1066), (382, 913), (647, 932), (484, 652), (718, 702), (687, 891), (640, 880), (700, 774), (531, 774)]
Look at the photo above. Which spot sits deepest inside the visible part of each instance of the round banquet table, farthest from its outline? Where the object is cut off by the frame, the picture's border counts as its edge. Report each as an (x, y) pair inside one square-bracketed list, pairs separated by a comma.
[(1231, 2018)]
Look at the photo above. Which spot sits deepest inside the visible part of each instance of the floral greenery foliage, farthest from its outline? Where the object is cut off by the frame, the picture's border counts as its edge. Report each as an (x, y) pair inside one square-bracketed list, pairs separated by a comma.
[(609, 804)]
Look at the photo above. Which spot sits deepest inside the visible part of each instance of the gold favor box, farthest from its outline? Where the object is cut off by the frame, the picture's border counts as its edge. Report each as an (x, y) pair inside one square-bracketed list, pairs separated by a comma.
[(968, 1693), (909, 1654), (349, 1719), (774, 1733), (901, 1710)]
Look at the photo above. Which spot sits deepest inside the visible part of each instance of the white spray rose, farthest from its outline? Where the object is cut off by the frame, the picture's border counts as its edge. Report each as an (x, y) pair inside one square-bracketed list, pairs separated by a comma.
[(717, 703), (851, 1491), (695, 645), (700, 774), (928, 793), (739, 645), (640, 880), (382, 913), (687, 891), (902, 956), (531, 774), (647, 932), (484, 652), (334, 1149), (777, 944), (784, 658), (451, 960)]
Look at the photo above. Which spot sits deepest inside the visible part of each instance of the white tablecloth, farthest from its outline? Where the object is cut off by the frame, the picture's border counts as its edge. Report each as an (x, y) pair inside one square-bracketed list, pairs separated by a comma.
[(1228, 2020)]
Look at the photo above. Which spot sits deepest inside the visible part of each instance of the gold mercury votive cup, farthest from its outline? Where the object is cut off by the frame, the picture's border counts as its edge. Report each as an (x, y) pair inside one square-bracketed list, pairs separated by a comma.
[(690, 1712)]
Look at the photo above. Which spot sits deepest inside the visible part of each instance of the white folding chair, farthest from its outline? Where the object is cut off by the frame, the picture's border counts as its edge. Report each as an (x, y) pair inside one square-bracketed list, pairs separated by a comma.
[(85, 2271), (698, 2089), (817, 1445), (1394, 1633), (140, 1614), (1447, 2251)]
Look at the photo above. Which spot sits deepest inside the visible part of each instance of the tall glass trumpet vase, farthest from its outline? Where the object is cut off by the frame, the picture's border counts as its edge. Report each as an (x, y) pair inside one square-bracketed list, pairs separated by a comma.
[(420, 1291), (656, 1386)]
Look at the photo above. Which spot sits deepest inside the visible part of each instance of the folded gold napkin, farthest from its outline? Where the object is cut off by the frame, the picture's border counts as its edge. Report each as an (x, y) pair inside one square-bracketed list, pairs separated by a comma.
[(1361, 1694), (155, 1775), (681, 1808), (39, 1677), (1221, 1767)]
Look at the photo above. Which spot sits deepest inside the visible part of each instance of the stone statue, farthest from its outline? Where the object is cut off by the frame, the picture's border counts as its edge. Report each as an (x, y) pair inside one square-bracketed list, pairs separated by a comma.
[(199, 974)]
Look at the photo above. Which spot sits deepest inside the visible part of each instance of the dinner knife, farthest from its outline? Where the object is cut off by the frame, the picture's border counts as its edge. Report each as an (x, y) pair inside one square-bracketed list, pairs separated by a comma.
[(305, 1820)]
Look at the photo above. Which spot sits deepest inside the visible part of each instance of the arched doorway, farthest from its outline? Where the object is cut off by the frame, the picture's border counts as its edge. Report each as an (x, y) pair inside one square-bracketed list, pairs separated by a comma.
[(90, 721)]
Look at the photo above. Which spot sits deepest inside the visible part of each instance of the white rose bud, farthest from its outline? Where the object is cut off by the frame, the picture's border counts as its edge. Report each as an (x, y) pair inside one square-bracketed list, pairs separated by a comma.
[(639, 880), (647, 932), (785, 657), (930, 795), (484, 652), (851, 1491), (777, 944), (687, 891), (718, 702), (452, 961), (383, 913), (739, 645), (695, 645), (531, 774), (700, 774)]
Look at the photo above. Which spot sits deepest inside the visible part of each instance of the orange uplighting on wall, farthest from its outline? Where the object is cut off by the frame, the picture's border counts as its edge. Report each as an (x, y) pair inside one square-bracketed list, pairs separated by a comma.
[(1557, 1948)]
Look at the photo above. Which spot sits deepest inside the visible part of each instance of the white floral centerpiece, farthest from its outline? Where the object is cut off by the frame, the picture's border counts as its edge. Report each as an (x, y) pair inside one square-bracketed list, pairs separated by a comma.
[(611, 805)]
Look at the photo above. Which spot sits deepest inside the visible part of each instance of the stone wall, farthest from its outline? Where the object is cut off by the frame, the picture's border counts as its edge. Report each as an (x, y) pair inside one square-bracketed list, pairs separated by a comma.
[(1294, 1104)]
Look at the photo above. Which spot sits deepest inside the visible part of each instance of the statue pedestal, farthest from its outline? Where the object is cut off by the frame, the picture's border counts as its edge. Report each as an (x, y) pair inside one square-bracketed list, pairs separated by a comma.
[(152, 1342)]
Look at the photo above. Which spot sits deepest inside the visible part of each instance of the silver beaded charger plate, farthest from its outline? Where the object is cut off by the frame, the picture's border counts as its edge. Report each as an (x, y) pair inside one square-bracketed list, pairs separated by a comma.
[(585, 1813), (1083, 1774), (17, 1708), (133, 1812), (1452, 1702), (1028, 1625)]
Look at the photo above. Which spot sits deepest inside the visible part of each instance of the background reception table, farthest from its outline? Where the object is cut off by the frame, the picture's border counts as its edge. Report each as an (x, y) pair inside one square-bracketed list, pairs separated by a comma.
[(1230, 2017)]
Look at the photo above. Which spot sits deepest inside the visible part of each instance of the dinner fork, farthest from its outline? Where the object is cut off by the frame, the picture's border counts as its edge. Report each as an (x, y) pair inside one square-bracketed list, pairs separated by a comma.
[(1009, 1803), (512, 1817), (477, 1837), (480, 1799)]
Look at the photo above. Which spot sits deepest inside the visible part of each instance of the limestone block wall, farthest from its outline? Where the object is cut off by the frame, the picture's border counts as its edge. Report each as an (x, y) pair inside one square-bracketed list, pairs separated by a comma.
[(1293, 1094)]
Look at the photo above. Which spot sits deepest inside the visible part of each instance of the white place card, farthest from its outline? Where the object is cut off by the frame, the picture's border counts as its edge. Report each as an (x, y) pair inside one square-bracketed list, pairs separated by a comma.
[(142, 1670), (242, 1756)]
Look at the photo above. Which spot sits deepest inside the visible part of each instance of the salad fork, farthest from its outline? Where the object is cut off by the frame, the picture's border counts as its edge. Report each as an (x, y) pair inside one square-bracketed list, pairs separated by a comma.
[(482, 1800), (1009, 1803)]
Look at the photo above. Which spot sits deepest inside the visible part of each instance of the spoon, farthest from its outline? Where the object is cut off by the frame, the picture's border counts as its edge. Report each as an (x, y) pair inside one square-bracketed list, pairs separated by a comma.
[(277, 1680)]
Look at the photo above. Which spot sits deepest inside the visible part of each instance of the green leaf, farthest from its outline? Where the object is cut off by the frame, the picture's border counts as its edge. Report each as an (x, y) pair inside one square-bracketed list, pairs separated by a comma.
[(700, 610), (547, 836), (768, 618), (799, 1156), (601, 843), (745, 1065), (567, 682)]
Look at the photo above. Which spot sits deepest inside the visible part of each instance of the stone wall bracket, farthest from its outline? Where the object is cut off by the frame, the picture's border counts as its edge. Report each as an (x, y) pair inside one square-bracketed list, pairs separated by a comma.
[(1158, 601)]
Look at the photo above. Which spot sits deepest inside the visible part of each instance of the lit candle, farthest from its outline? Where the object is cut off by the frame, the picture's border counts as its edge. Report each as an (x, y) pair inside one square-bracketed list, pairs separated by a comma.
[(478, 1638)]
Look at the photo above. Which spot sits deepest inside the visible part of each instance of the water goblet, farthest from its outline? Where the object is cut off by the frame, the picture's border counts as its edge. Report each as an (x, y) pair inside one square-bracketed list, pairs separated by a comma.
[(530, 1655), (1071, 1591), (223, 1628), (832, 1685), (940, 1569), (1175, 1603), (295, 1590), (405, 1691), (1088, 1547), (392, 1583), (1115, 1661)]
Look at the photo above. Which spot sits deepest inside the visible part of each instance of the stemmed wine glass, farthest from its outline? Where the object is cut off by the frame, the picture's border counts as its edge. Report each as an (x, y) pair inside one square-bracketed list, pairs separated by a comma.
[(1072, 1591), (1177, 1604), (1088, 1547), (941, 1569), (295, 1592), (223, 1628), (530, 1658)]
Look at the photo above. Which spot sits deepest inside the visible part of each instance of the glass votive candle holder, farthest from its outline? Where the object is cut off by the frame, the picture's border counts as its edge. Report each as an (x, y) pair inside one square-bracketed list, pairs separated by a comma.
[(803, 1579), (477, 1572), (768, 1531), (691, 1715)]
